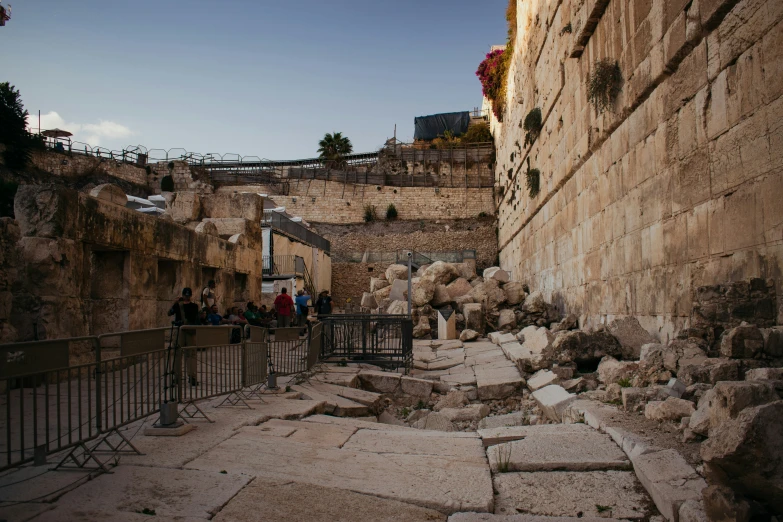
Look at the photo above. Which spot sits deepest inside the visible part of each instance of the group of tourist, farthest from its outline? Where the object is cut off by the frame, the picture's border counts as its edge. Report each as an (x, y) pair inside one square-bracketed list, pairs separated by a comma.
[(286, 311)]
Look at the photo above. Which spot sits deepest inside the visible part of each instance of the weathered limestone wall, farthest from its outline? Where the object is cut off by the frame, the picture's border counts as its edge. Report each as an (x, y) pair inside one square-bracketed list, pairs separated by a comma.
[(321, 201), (351, 280), (77, 165), (92, 267), (678, 187)]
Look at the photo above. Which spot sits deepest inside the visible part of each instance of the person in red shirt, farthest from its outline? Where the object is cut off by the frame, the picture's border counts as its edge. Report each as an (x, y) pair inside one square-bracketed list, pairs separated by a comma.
[(284, 306)]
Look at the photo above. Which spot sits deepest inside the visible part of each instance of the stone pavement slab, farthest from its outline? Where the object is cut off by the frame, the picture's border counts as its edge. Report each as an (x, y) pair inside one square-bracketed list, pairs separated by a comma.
[(335, 404), (316, 434), (516, 418), (499, 435), (543, 449), (361, 396), (171, 493), (162, 451), (669, 479), (24, 512), (489, 517), (460, 445), (354, 422), (286, 501), (439, 482), (569, 494), (497, 383), (479, 347), (349, 380)]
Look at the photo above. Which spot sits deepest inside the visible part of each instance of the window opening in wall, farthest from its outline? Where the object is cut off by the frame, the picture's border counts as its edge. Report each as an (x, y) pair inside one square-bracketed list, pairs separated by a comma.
[(369, 269), (109, 291), (241, 290), (168, 277)]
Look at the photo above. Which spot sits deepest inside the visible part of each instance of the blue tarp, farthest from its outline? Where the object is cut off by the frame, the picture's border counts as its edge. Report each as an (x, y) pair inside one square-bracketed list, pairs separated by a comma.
[(430, 127)]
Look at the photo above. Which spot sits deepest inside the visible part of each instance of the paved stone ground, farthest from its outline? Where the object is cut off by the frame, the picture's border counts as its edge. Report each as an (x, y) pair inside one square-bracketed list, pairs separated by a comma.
[(284, 459)]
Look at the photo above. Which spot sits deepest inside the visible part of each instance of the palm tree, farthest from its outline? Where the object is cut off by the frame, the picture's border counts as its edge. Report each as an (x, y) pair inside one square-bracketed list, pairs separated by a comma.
[(333, 147)]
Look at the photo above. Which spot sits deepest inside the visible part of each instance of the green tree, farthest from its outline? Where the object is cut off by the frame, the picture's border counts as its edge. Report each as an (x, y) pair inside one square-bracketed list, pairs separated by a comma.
[(13, 128), (334, 146)]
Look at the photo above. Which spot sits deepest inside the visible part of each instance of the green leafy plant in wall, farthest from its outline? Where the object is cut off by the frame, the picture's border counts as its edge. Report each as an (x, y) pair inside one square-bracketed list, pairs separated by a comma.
[(391, 212), (369, 213), (604, 84), (533, 180), (532, 126)]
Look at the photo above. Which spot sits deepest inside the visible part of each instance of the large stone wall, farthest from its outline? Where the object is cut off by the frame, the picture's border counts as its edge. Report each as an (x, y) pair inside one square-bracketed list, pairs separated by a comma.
[(678, 187), (322, 201), (78, 165), (351, 280), (93, 267)]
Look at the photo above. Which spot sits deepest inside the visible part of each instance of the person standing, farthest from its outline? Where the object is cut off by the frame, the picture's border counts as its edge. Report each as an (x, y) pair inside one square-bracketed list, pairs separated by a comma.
[(302, 307), (208, 297), (323, 306), (284, 306), (186, 312)]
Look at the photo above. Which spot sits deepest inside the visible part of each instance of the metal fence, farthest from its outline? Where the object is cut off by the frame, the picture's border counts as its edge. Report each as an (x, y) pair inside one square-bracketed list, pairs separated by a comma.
[(383, 340), (73, 394)]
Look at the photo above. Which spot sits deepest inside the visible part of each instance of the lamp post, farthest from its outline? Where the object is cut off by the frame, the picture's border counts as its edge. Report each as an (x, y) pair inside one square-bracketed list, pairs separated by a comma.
[(410, 275)]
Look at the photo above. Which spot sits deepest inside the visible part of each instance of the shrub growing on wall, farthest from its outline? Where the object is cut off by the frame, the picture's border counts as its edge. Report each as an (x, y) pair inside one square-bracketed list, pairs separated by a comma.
[(369, 213), (167, 184), (533, 123), (391, 212), (604, 84), (478, 133)]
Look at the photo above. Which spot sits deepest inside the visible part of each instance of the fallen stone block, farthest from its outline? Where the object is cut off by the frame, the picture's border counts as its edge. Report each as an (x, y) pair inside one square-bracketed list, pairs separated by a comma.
[(497, 383), (416, 387), (468, 335), (500, 338), (669, 480), (496, 273), (672, 409), (516, 418), (635, 399), (396, 272), (502, 434), (578, 448), (380, 382), (710, 372), (553, 400), (435, 421), (631, 335), (730, 398), (376, 283), (469, 413), (454, 399), (611, 371), (542, 378), (631, 443), (742, 342), (764, 374)]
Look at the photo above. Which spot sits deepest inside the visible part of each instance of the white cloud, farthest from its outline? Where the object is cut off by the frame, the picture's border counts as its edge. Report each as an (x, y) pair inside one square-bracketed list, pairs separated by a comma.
[(93, 134)]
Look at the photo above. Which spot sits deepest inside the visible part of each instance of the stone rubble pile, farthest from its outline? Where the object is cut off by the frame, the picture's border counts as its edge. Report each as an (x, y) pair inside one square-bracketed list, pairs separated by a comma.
[(482, 303)]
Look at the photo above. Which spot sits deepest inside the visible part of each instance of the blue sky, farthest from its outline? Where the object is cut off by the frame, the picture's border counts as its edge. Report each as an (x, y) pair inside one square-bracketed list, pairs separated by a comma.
[(249, 77)]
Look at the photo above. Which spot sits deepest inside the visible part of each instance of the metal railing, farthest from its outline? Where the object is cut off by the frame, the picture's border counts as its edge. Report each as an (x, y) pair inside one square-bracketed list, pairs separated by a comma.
[(281, 223), (400, 256), (73, 394), (280, 265), (383, 340), (432, 166)]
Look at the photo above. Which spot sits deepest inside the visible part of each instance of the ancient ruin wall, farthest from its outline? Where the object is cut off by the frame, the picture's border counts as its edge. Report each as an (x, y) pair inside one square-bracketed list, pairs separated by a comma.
[(322, 201), (677, 187), (88, 266)]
